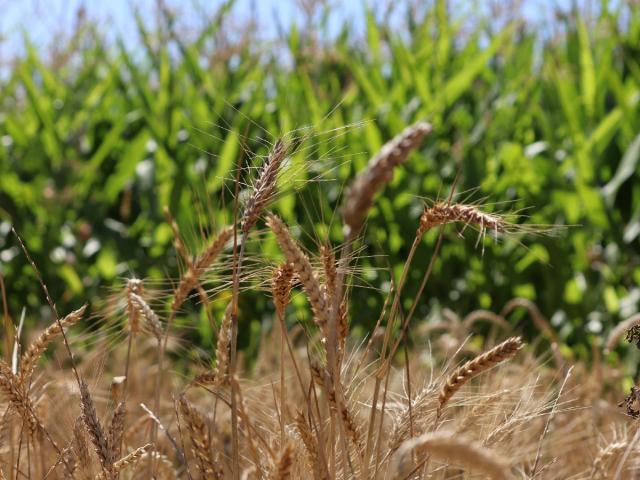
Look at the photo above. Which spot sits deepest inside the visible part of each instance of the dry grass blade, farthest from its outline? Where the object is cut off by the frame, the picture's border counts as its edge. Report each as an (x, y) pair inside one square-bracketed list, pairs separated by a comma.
[(30, 358), (264, 188), (472, 368), (379, 171), (451, 449), (302, 266)]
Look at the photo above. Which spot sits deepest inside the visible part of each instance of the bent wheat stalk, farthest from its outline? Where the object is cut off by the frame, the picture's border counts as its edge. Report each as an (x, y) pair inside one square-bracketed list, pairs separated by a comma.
[(475, 367), (451, 449), (379, 171), (36, 349)]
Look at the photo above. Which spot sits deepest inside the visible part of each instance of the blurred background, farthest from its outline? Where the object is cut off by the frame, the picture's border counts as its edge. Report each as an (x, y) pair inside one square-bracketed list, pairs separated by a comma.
[(111, 110)]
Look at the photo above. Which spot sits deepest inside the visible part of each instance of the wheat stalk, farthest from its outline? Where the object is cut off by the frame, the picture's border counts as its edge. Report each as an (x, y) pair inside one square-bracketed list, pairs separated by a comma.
[(200, 439), (302, 267), (115, 432), (281, 284), (134, 286), (80, 450), (125, 462), (31, 356), (379, 171), (264, 188), (450, 449), (476, 366), (92, 424), (192, 276), (598, 469), (149, 315), (284, 463), (618, 332), (11, 388), (443, 213)]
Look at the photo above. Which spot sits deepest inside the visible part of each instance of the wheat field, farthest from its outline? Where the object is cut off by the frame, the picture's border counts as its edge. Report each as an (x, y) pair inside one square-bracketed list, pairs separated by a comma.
[(470, 399)]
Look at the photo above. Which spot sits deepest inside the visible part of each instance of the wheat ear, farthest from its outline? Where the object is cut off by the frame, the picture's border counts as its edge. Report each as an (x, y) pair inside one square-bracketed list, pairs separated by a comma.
[(12, 389), (379, 171), (191, 278), (281, 284), (115, 432), (80, 450), (284, 462), (598, 469), (125, 462), (134, 286), (455, 450), (30, 358), (218, 376), (149, 315), (264, 188), (443, 213), (476, 366), (618, 332), (308, 278), (200, 439), (94, 429)]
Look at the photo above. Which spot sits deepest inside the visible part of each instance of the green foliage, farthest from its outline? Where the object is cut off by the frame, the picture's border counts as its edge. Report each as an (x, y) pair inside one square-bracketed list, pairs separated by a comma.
[(96, 143)]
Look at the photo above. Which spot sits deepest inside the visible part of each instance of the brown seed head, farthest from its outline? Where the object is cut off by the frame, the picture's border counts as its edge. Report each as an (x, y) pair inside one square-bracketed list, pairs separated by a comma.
[(264, 188), (472, 368), (379, 171), (281, 287)]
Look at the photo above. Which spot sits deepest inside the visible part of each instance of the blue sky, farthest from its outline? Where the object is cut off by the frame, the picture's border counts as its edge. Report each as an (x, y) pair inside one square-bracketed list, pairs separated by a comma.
[(43, 19)]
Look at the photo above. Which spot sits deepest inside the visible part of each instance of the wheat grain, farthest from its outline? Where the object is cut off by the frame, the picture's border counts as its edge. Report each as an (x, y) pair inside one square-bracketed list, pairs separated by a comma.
[(606, 454), (379, 171), (80, 450), (125, 462), (476, 366), (284, 462), (150, 316), (443, 213), (281, 287), (36, 349), (200, 439), (115, 432), (92, 424), (453, 450), (302, 267), (264, 188), (619, 331), (134, 286), (11, 387), (192, 277)]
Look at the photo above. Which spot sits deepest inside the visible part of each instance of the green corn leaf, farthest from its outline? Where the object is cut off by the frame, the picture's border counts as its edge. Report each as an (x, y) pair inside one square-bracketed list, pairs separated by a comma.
[(626, 168)]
